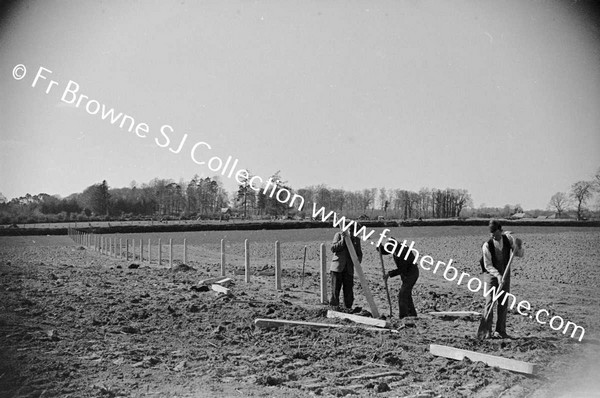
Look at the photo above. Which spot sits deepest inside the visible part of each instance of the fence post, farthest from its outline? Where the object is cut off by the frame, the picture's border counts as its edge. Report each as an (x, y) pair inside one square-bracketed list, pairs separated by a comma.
[(170, 253), (126, 249), (159, 252), (120, 247), (184, 251), (222, 257), (247, 261), (277, 266), (141, 250), (149, 250), (323, 274)]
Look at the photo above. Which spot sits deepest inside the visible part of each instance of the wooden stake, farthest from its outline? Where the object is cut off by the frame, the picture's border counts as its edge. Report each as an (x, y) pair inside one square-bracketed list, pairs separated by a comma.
[(323, 274), (133, 250), (141, 250), (361, 277), (120, 248), (170, 253), (149, 251), (159, 252), (247, 261), (277, 266), (303, 265), (222, 257), (184, 251), (126, 249)]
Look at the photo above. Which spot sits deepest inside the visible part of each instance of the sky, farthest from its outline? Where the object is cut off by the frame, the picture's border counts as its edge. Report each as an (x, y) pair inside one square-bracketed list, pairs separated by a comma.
[(500, 98)]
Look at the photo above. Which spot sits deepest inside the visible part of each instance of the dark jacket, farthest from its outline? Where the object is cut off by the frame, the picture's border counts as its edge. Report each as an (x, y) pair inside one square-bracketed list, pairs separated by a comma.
[(341, 261), (404, 267)]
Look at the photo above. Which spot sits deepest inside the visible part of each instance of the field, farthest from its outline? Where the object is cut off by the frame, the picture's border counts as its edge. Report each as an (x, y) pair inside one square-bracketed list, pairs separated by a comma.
[(78, 323)]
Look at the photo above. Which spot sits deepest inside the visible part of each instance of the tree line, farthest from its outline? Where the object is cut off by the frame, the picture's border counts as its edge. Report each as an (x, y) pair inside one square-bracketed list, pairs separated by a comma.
[(390, 203), (158, 199), (206, 198)]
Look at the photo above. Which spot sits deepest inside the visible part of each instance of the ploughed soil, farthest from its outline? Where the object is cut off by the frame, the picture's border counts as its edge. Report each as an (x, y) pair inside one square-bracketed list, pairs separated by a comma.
[(76, 323)]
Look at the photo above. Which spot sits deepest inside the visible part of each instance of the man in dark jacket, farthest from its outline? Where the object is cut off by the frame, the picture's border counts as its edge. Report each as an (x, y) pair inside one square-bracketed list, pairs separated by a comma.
[(342, 269), (409, 273)]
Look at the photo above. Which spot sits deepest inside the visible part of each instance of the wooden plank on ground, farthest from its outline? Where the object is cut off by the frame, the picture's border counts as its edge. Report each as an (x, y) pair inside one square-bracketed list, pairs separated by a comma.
[(377, 375), (208, 281), (220, 289), (224, 281), (457, 314), (275, 323), (361, 277), (358, 319), (491, 360)]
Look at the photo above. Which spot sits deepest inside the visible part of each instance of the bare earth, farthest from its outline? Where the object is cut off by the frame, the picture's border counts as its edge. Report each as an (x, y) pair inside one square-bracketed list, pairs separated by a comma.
[(75, 323)]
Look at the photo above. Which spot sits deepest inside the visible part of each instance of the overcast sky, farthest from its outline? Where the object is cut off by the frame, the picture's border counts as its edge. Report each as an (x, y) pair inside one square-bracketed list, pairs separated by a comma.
[(501, 98)]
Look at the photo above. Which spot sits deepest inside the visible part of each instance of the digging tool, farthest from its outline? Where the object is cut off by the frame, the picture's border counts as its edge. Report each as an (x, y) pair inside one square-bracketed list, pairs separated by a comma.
[(303, 264), (387, 290), (483, 330)]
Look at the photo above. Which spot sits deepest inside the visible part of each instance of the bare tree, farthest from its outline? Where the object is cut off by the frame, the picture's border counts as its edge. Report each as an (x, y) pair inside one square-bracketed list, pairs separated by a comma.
[(383, 199), (560, 202), (463, 199), (581, 191)]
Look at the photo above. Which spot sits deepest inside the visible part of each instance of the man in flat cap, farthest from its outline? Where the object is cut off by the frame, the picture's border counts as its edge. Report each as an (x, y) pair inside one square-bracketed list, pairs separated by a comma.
[(496, 254)]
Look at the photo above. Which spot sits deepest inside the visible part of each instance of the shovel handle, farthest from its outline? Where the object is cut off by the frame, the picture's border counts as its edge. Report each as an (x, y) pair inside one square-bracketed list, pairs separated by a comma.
[(387, 290)]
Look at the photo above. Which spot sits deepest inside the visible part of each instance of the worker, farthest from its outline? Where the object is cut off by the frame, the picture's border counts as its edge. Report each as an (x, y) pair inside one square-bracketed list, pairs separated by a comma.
[(496, 255), (342, 269), (407, 268)]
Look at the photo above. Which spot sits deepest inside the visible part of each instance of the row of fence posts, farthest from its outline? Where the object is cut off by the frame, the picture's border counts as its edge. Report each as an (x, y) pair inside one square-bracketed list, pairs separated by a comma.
[(108, 246)]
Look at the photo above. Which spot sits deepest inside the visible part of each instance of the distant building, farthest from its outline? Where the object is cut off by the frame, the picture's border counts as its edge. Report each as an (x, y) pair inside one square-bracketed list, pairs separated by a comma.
[(520, 216)]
